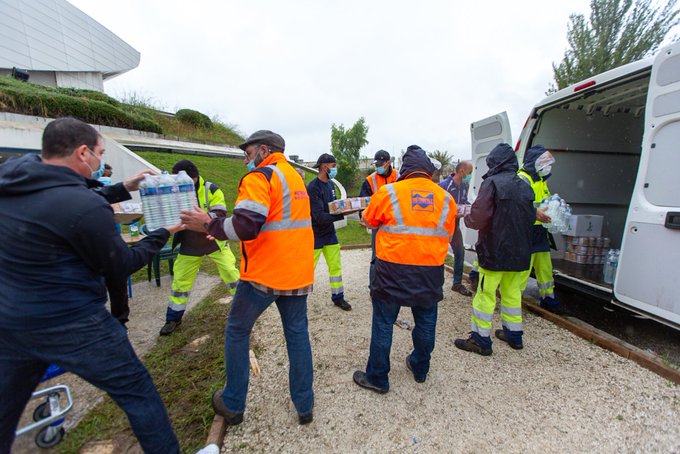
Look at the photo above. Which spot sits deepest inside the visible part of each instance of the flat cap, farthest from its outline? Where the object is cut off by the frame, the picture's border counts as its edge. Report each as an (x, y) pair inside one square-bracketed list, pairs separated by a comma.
[(265, 137)]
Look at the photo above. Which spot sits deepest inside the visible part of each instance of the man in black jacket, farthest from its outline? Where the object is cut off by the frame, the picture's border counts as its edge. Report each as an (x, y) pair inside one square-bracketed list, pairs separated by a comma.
[(321, 192), (504, 214), (59, 243)]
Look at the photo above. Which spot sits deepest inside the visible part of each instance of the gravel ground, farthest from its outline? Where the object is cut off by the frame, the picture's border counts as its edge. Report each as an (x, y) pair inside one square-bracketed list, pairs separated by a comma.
[(147, 316), (559, 393)]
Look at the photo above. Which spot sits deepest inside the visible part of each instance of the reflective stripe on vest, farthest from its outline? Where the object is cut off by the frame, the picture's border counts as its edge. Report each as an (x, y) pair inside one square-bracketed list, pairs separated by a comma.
[(286, 223), (374, 186), (402, 229)]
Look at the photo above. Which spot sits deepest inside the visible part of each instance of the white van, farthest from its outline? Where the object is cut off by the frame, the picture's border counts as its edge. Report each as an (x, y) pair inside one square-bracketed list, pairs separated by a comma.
[(616, 141)]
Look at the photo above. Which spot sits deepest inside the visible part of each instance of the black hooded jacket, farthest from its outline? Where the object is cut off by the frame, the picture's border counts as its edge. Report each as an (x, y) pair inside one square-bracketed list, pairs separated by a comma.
[(540, 241), (59, 240), (504, 214)]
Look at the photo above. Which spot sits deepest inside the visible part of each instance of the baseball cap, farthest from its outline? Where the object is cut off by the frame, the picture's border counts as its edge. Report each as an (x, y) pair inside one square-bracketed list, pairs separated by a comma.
[(324, 159), (380, 157), (265, 137)]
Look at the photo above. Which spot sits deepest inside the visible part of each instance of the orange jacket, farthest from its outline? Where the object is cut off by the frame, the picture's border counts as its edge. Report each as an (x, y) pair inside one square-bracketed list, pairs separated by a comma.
[(274, 199), (416, 219), (376, 181)]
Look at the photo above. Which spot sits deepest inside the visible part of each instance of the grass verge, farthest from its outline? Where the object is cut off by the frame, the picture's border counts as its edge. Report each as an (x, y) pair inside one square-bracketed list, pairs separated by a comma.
[(185, 379)]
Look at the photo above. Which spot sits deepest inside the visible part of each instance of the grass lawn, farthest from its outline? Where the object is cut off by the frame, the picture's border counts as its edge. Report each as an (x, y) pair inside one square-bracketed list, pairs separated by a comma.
[(185, 378)]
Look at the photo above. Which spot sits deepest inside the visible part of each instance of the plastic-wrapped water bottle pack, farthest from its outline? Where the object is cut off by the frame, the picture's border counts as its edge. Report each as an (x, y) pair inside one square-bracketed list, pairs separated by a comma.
[(559, 211), (164, 197)]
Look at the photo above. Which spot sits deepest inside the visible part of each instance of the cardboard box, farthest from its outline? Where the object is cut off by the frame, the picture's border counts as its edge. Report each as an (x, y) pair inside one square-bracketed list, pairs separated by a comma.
[(585, 225)]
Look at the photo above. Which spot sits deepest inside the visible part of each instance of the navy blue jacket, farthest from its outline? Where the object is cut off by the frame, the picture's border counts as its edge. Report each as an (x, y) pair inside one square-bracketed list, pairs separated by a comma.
[(504, 214), (320, 194), (59, 240), (540, 241)]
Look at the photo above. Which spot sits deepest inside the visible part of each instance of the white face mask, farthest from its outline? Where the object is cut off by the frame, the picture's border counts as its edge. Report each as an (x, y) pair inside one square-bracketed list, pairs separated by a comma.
[(545, 171)]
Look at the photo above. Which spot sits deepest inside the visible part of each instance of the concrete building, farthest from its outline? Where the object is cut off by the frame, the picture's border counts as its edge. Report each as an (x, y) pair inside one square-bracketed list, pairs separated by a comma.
[(59, 45)]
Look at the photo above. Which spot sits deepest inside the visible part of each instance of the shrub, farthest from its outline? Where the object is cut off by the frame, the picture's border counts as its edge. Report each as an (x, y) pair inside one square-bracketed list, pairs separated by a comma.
[(194, 118)]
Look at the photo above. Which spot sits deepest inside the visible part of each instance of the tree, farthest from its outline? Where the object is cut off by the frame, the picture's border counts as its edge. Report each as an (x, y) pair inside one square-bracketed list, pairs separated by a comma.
[(346, 146), (618, 32), (444, 158)]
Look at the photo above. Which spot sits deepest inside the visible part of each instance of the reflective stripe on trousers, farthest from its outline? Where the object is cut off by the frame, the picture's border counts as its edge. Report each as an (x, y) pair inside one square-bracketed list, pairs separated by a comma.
[(186, 267), (331, 254), (484, 302)]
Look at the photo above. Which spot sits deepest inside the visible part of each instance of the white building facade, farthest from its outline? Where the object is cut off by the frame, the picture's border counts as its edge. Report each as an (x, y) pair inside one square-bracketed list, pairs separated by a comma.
[(59, 45)]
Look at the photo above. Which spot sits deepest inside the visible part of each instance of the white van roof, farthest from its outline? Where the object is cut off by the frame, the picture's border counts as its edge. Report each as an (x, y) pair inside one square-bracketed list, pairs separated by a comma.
[(598, 79)]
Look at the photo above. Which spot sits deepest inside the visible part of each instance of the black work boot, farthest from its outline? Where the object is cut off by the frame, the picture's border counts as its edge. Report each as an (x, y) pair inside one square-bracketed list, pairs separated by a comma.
[(342, 304), (500, 334), (170, 326)]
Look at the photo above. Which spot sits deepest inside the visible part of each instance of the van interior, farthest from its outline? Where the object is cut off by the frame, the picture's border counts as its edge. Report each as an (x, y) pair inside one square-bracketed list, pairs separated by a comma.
[(596, 138)]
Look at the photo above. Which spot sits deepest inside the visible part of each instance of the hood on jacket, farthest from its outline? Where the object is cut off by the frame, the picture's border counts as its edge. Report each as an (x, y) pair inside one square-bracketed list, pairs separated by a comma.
[(501, 159), (415, 160), (530, 158), (28, 173)]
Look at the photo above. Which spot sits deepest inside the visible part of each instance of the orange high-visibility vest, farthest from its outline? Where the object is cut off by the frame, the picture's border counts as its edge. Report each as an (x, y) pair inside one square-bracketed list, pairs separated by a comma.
[(376, 181), (416, 219), (282, 255)]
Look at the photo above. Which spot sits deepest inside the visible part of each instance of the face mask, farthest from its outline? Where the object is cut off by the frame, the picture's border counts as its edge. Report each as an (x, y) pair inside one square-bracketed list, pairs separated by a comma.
[(380, 170), (96, 174), (332, 173), (545, 171), (467, 178), (251, 166)]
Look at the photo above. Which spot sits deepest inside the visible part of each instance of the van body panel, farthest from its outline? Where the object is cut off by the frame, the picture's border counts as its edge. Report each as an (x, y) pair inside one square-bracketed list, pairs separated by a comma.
[(648, 275), (485, 134)]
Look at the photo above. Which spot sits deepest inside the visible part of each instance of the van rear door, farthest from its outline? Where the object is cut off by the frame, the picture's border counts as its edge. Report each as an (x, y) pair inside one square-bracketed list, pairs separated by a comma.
[(648, 276), (486, 134)]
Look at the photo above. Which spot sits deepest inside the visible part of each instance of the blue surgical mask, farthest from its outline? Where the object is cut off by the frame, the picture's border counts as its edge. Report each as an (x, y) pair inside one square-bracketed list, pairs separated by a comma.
[(380, 170), (251, 166), (96, 174), (467, 178), (332, 173)]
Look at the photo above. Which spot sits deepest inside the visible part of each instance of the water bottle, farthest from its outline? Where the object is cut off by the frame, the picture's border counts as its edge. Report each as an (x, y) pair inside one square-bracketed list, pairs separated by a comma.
[(610, 265), (167, 194), (148, 191), (186, 193)]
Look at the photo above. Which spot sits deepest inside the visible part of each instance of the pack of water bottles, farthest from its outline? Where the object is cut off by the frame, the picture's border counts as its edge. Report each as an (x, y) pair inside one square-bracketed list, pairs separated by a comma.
[(164, 196), (559, 211)]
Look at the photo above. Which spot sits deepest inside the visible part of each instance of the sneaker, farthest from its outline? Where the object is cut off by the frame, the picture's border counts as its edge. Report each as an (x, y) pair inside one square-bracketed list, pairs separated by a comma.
[(471, 345), (232, 419), (170, 326), (342, 304), (500, 334), (360, 379), (306, 419), (463, 290), (415, 377)]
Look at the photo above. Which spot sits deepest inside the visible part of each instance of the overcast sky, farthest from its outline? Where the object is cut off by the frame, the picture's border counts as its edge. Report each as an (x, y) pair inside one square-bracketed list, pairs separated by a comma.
[(417, 71)]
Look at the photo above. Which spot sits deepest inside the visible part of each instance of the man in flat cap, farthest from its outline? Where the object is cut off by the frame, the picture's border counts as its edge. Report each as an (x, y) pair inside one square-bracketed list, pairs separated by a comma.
[(271, 220), (321, 193)]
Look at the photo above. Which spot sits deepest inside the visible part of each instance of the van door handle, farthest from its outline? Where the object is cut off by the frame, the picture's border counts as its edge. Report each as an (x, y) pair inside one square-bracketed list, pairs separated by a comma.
[(673, 220)]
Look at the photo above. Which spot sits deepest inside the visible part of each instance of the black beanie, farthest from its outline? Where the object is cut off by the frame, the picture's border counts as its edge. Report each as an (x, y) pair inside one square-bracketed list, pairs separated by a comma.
[(186, 165)]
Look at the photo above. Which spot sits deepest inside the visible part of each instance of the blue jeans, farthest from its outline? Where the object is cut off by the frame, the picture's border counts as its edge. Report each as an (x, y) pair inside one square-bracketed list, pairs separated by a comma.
[(95, 348), (458, 254), (384, 316), (246, 307)]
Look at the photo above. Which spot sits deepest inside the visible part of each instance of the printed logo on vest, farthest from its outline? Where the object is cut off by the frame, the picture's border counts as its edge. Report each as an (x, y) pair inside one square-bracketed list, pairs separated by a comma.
[(300, 195), (422, 201)]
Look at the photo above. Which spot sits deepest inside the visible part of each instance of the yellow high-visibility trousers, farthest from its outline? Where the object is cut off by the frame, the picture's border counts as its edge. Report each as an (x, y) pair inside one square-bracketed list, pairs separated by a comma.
[(484, 302), (331, 252), (186, 268)]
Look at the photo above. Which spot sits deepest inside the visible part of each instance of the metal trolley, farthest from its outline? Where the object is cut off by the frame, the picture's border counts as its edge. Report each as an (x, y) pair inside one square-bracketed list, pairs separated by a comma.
[(48, 416)]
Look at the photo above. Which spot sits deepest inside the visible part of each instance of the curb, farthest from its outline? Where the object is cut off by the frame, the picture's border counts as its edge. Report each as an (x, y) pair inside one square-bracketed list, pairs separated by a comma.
[(218, 429), (349, 247)]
